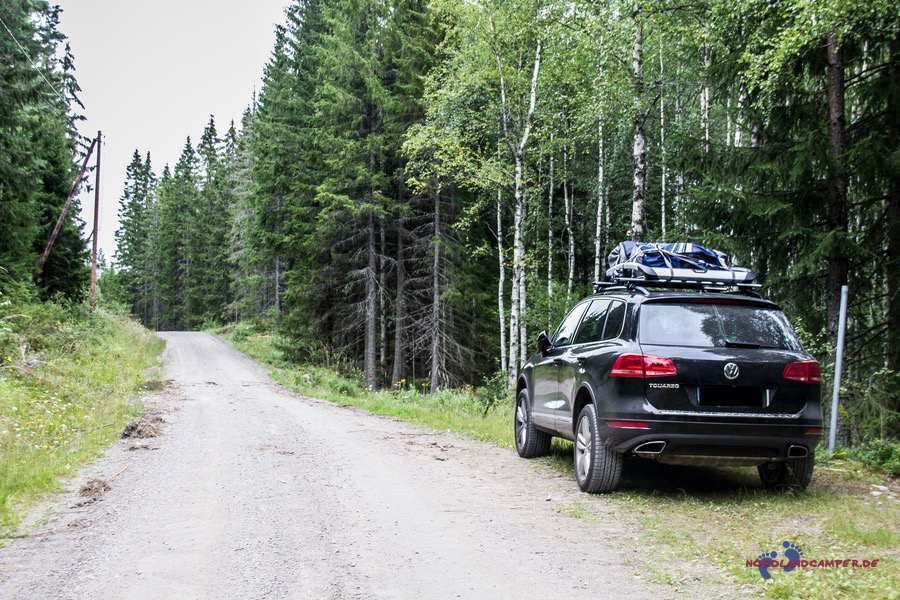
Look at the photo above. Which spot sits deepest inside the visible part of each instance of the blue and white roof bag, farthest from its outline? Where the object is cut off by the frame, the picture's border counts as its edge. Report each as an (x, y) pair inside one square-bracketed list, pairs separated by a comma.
[(674, 262)]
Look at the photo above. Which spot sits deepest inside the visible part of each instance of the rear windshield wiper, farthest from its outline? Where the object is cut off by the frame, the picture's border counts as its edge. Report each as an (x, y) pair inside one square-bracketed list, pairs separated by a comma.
[(748, 345)]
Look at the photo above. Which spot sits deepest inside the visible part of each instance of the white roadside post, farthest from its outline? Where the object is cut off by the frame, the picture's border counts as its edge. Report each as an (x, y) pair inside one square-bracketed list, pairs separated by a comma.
[(838, 363)]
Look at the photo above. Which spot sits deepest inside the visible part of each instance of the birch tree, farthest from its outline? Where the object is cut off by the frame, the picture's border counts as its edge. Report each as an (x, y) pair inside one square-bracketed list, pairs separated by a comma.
[(639, 152), (517, 125)]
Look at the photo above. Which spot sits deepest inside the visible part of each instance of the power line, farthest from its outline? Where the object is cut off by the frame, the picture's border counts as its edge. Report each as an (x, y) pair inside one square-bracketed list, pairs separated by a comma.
[(41, 95), (28, 56)]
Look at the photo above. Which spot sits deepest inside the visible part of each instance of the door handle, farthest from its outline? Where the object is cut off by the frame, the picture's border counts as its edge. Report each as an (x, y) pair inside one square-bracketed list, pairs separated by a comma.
[(581, 360), (559, 362)]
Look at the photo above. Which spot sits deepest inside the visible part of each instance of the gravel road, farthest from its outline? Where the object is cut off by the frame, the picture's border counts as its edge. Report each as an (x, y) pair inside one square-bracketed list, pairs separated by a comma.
[(251, 491)]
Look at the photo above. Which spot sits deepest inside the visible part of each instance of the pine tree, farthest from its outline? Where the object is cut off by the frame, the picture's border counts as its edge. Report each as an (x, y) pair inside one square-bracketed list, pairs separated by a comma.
[(210, 280), (133, 234), (36, 165), (178, 201)]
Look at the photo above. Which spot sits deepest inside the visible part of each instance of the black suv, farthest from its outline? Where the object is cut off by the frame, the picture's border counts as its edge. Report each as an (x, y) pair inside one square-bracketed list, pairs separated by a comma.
[(685, 371)]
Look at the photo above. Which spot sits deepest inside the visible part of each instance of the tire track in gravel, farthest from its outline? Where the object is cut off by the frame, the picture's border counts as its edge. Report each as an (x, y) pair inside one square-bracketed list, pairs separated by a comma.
[(255, 492)]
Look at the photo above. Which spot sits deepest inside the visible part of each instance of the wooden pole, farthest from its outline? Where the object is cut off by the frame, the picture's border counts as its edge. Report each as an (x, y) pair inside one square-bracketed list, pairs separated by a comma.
[(65, 210), (96, 226)]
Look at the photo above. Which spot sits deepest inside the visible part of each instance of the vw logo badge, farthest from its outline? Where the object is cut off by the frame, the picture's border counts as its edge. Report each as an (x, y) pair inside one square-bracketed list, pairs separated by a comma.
[(732, 371)]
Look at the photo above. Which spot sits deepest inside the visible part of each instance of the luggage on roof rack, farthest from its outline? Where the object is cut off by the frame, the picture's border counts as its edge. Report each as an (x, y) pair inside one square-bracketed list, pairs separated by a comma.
[(676, 264)]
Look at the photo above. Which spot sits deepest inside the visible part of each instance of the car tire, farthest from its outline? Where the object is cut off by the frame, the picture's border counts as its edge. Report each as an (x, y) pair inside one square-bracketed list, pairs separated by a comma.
[(789, 475), (530, 441), (598, 468)]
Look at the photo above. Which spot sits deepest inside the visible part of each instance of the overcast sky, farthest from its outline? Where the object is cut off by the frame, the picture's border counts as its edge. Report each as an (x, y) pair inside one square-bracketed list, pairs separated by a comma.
[(152, 73)]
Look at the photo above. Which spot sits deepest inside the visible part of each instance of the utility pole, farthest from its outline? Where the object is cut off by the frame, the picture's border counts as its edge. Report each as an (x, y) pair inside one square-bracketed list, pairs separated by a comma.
[(62, 215), (99, 142)]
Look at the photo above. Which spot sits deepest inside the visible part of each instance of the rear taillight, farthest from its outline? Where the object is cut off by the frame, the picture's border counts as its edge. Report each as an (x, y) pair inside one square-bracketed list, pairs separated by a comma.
[(643, 365), (807, 371)]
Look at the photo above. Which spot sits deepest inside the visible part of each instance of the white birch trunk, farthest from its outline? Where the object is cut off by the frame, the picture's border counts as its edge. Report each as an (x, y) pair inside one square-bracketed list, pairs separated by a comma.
[(513, 367), (639, 154), (598, 237), (570, 238), (501, 308), (662, 145), (679, 172), (517, 353), (550, 240), (523, 324), (728, 120), (739, 119), (704, 94)]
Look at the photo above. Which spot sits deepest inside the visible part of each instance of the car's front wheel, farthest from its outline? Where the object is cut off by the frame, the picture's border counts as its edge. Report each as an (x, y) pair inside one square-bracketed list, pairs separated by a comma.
[(791, 474), (530, 441), (597, 467)]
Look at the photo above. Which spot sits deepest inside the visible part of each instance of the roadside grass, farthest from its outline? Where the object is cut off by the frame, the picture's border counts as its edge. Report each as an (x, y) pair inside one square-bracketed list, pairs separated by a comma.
[(697, 523), (66, 389), (723, 518), (471, 412)]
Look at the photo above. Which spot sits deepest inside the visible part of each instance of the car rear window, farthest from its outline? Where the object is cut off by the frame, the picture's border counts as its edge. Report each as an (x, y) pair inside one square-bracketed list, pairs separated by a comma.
[(715, 325)]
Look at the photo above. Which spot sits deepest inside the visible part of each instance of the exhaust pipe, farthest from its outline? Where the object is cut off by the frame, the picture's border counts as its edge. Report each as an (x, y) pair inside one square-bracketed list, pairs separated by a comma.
[(650, 449), (797, 451)]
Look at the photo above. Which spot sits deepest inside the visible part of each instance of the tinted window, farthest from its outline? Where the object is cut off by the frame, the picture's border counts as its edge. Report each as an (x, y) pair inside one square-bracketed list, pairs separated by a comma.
[(614, 321), (566, 329), (591, 329), (715, 325)]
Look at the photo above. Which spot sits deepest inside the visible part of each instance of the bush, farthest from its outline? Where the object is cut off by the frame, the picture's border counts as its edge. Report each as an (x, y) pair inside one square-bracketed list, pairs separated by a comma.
[(342, 386), (9, 343), (883, 454), (494, 391), (241, 332)]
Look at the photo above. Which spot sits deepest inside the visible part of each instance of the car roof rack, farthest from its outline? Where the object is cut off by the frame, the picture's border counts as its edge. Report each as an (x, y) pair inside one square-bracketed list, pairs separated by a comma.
[(638, 277)]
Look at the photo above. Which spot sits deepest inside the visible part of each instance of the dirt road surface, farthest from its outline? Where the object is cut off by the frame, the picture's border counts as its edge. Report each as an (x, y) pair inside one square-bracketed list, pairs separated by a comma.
[(253, 492)]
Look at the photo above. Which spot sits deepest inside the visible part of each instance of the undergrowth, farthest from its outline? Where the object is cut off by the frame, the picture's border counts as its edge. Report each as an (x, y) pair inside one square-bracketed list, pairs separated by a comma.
[(882, 454)]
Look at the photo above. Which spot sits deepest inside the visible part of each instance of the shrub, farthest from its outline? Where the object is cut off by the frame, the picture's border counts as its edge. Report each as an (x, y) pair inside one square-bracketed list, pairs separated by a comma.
[(884, 454), (494, 392)]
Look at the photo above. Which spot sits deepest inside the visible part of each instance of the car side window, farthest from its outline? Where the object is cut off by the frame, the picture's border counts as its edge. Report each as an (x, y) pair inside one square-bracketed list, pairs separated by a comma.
[(591, 329), (615, 320), (566, 329)]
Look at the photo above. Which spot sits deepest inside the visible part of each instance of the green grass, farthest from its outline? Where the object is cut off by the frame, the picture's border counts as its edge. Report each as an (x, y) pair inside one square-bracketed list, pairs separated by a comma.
[(696, 523), (722, 518), (66, 390)]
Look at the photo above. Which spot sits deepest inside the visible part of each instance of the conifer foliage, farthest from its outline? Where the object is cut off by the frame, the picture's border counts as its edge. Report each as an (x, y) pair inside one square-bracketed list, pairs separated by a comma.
[(397, 196), (38, 147)]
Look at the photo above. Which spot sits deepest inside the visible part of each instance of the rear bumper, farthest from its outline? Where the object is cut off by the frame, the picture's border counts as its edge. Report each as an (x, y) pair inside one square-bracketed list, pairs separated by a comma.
[(714, 443)]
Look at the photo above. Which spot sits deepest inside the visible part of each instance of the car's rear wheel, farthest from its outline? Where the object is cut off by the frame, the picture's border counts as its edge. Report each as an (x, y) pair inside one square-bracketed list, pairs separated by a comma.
[(791, 474), (530, 441), (598, 468)]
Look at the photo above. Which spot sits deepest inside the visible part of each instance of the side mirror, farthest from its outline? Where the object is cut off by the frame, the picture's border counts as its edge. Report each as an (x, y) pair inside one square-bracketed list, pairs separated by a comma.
[(543, 343)]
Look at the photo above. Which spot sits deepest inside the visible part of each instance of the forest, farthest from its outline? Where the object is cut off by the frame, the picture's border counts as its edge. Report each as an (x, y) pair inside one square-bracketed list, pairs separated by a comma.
[(421, 186)]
